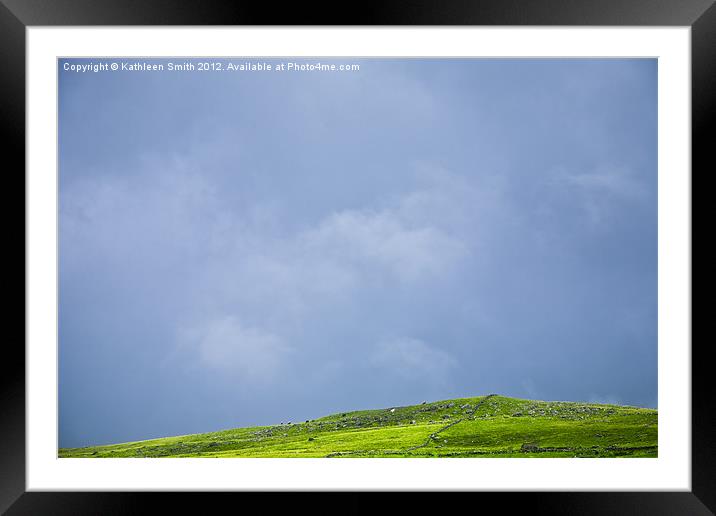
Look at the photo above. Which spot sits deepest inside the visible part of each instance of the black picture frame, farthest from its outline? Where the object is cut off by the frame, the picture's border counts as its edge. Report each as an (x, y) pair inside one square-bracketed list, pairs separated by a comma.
[(16, 15)]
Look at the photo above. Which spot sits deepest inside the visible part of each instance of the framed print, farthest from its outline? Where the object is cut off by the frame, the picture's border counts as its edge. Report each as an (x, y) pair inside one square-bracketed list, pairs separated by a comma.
[(447, 248)]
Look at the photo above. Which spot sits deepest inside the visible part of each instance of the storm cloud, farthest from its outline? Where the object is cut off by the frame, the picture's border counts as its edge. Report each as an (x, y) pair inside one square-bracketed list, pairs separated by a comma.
[(242, 249)]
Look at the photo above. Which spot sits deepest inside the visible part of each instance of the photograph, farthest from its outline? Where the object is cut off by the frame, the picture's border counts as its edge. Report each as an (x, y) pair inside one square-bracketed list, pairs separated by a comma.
[(357, 257), (412, 248)]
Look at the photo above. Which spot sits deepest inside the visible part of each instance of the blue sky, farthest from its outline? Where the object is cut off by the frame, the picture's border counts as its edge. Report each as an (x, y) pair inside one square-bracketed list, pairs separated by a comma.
[(243, 248)]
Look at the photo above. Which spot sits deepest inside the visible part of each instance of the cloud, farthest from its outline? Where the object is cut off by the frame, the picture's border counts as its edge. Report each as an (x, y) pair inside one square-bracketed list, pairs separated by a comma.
[(299, 271), (413, 359), (250, 354), (382, 242), (247, 281), (244, 279), (617, 181), (281, 280), (162, 209), (602, 189), (220, 257)]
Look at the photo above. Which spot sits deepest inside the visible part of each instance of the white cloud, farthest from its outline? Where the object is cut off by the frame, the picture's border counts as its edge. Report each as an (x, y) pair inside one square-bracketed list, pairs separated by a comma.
[(222, 256), (383, 242), (140, 212), (331, 260), (413, 359), (617, 181), (599, 190), (249, 353)]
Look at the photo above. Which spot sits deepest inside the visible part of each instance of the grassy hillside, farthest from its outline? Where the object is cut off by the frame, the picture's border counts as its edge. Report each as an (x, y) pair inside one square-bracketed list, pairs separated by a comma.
[(485, 426)]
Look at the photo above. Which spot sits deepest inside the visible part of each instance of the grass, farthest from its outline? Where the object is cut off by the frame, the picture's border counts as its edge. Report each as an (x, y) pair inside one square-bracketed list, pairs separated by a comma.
[(485, 426)]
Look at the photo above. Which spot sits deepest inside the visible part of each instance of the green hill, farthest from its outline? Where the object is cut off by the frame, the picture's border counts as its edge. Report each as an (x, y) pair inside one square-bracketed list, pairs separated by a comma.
[(485, 426)]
